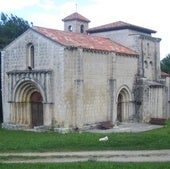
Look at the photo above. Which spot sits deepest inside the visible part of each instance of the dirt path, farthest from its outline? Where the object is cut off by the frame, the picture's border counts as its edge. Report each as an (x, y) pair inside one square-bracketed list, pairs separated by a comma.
[(114, 156)]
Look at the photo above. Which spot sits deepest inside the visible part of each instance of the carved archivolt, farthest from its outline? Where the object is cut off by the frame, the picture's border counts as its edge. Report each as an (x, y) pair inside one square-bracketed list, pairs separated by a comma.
[(22, 84)]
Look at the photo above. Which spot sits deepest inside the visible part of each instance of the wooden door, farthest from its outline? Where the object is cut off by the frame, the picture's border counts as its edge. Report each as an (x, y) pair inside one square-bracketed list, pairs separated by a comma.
[(36, 109)]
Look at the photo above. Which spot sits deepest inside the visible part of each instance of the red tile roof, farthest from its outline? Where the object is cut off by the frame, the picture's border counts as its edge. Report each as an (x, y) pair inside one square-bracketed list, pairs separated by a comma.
[(75, 16), (164, 74), (84, 41), (119, 25)]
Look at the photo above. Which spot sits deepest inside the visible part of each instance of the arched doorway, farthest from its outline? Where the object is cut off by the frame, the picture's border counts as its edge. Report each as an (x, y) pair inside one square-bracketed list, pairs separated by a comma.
[(27, 97), (123, 105), (36, 109), (119, 108)]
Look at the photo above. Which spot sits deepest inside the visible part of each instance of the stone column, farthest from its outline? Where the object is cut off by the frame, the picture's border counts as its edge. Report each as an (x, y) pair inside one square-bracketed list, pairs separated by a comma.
[(79, 88), (79, 103), (12, 112), (47, 114), (112, 95), (112, 87), (157, 59)]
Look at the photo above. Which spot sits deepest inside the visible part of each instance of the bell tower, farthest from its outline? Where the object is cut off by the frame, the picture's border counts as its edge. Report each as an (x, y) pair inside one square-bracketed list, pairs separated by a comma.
[(76, 23)]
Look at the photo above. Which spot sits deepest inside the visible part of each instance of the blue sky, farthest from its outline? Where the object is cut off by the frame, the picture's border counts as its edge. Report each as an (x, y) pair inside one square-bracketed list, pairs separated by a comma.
[(151, 14)]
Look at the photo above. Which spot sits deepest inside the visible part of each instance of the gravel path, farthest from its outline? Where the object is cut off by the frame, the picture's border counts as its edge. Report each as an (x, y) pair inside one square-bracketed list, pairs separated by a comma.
[(113, 156)]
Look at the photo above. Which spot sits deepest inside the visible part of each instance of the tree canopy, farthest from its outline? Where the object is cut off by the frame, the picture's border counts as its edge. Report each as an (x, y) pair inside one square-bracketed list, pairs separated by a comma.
[(165, 64), (10, 28)]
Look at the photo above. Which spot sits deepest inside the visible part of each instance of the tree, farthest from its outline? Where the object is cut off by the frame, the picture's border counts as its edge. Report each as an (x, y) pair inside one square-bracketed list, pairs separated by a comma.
[(165, 64), (10, 28)]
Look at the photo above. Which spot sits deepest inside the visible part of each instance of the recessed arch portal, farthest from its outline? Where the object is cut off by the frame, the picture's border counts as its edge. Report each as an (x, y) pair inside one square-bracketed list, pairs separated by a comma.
[(123, 104), (27, 106)]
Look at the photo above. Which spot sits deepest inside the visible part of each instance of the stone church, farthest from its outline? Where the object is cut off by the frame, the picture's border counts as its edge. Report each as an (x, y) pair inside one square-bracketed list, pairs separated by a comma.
[(81, 76)]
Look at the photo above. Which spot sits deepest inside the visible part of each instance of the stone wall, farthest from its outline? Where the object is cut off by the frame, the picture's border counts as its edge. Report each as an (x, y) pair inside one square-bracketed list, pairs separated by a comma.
[(151, 100), (93, 80), (82, 86), (144, 44), (76, 26), (47, 56), (95, 86), (125, 76), (167, 98), (126, 37), (86, 84)]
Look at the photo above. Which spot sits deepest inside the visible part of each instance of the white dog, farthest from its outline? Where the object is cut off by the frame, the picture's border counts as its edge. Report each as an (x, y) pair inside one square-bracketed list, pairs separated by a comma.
[(104, 139)]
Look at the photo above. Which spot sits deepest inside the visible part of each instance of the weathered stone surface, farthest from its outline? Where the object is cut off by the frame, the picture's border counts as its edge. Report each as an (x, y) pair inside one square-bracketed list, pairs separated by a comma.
[(82, 87)]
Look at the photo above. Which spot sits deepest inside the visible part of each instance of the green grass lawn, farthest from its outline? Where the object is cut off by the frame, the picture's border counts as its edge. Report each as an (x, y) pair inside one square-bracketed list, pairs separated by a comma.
[(24, 141), (88, 165)]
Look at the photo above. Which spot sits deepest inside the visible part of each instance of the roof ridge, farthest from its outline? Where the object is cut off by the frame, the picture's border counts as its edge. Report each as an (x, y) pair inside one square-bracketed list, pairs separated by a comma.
[(85, 41), (119, 25), (74, 16)]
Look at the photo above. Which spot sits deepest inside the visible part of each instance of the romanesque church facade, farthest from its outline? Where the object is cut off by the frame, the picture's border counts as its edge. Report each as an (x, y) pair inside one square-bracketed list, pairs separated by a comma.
[(80, 76)]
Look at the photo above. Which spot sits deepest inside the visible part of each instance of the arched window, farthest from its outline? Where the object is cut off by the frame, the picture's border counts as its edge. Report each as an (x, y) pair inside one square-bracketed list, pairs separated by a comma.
[(151, 63), (146, 64), (82, 28), (148, 49), (30, 56), (70, 28)]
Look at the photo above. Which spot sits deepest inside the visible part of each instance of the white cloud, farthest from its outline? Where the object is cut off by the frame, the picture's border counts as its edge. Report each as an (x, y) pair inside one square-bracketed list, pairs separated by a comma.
[(146, 13), (54, 14), (9, 5), (67, 8), (47, 4), (46, 20), (49, 13)]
